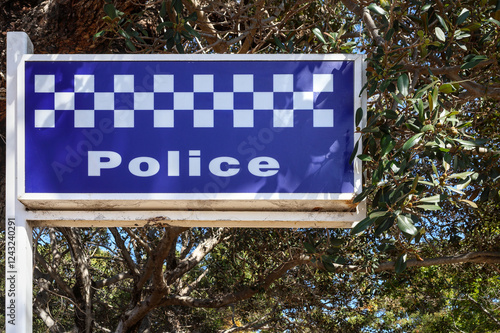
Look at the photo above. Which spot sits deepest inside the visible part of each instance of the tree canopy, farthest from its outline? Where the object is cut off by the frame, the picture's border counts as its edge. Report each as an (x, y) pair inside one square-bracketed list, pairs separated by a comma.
[(426, 257)]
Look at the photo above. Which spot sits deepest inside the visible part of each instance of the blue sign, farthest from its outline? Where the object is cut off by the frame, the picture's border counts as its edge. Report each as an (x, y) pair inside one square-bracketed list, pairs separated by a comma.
[(189, 127)]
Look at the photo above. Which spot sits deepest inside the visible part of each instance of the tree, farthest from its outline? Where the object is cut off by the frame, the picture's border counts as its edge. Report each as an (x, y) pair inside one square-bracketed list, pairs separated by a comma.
[(429, 248)]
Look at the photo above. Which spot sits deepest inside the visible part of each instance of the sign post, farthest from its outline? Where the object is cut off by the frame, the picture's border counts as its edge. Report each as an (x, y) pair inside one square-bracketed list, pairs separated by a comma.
[(18, 236)]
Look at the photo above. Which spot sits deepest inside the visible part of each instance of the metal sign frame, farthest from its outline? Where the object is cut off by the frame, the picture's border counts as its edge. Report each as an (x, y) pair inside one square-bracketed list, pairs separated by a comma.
[(112, 210)]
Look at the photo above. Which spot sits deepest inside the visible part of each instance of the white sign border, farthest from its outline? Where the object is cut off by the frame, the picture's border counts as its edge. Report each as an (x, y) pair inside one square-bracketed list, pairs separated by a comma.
[(280, 201)]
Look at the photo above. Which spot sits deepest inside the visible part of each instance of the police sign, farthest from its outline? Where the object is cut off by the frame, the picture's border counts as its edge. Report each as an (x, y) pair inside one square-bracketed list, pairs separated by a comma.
[(188, 132)]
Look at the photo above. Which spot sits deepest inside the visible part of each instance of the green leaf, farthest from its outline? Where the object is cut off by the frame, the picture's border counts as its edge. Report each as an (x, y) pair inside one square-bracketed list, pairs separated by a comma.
[(434, 199), (412, 127), (427, 128), (335, 242), (384, 226), (442, 22), (461, 175), (455, 190), (419, 106), (470, 203), (390, 114), (163, 9), (412, 141), (309, 247), (319, 34), (433, 99), (386, 145), (362, 225), (354, 152), (359, 116), (405, 225), (430, 207), (99, 34), (191, 30), (365, 158), (389, 34), (376, 9), (378, 213), (130, 45), (178, 6), (492, 20), (363, 194), (179, 48), (403, 84), (110, 10), (446, 88), (474, 62), (440, 34), (400, 264), (193, 17), (464, 183), (162, 25), (279, 43), (464, 14)]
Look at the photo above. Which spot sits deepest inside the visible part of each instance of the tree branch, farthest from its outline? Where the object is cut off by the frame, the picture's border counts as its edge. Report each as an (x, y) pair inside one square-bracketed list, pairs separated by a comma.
[(114, 279), (364, 14), (471, 257), (245, 293), (482, 308), (54, 275), (196, 256), (123, 249)]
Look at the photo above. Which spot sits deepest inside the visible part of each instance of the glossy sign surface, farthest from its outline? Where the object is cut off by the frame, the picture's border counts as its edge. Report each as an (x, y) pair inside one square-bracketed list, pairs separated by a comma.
[(189, 127)]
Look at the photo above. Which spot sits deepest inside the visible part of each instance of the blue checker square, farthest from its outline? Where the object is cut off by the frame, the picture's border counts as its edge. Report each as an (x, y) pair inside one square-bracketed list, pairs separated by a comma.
[(124, 101), (84, 101), (324, 101), (164, 101), (243, 100), (204, 101), (283, 100), (44, 100)]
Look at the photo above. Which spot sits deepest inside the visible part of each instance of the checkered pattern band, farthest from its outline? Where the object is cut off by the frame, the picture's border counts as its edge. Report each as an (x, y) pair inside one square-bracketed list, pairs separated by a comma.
[(127, 103)]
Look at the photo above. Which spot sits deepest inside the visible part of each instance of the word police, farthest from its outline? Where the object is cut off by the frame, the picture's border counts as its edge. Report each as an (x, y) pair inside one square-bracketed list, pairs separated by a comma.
[(143, 166)]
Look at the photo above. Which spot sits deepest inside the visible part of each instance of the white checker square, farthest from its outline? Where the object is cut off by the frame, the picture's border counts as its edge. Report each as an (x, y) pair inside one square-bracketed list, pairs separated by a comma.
[(84, 83), (303, 100), (283, 118), (243, 118), (84, 118), (45, 83), (203, 118), (64, 101), (45, 118), (163, 83), (283, 82), (124, 83), (183, 101), (323, 118), (223, 101), (263, 100), (163, 118), (104, 101), (322, 83), (144, 101), (203, 83), (243, 83), (124, 118)]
